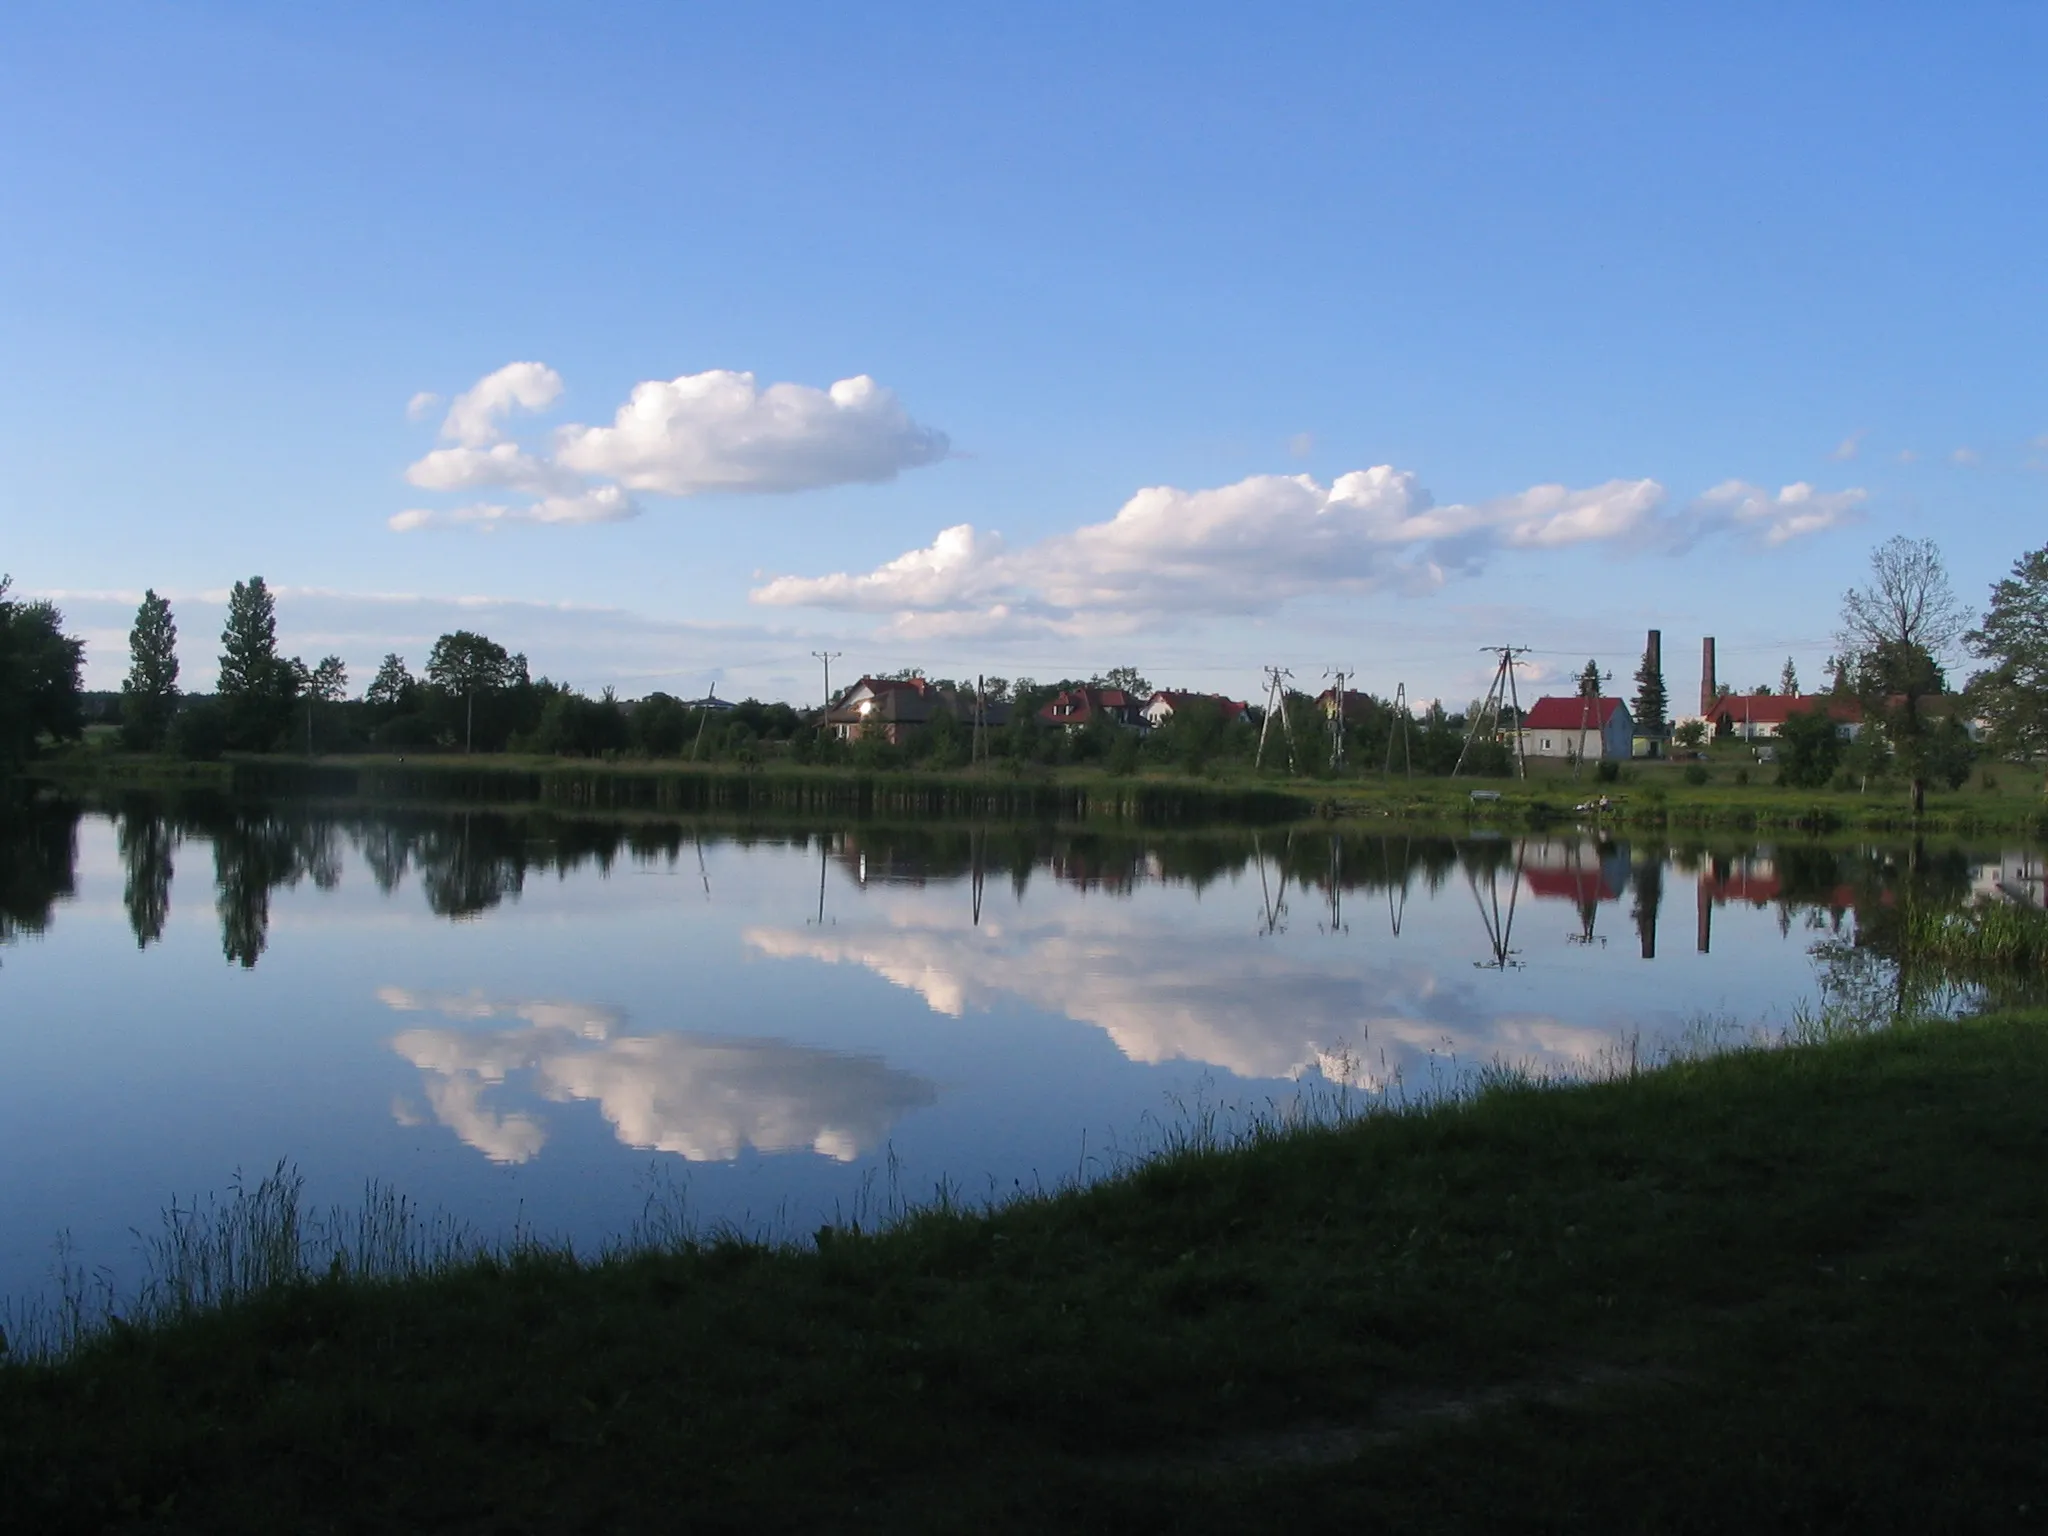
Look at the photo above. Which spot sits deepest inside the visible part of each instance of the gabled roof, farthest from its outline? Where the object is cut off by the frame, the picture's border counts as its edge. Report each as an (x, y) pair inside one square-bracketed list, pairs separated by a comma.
[(1776, 708), (1551, 713), (1079, 706), (1176, 698)]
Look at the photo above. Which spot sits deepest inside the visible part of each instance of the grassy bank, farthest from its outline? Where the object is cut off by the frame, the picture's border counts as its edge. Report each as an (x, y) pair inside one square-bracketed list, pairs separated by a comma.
[(1803, 1289), (1735, 794)]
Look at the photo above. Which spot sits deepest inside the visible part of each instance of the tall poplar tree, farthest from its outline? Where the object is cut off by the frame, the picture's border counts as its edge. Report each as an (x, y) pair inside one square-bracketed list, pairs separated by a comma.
[(256, 685), (1651, 702), (149, 693)]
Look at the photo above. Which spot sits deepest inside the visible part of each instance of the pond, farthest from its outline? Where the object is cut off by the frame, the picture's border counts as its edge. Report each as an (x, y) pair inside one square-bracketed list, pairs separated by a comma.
[(535, 1022)]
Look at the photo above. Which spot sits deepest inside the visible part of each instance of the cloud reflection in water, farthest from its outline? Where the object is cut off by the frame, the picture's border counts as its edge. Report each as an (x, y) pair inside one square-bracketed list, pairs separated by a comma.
[(705, 1098), (1175, 993)]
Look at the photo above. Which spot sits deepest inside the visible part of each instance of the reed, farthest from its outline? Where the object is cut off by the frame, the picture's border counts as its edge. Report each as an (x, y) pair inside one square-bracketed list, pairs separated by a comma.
[(1989, 935)]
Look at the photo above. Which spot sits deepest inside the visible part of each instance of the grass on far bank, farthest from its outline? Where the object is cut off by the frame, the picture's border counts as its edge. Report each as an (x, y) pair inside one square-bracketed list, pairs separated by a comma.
[(1795, 1289), (1729, 790)]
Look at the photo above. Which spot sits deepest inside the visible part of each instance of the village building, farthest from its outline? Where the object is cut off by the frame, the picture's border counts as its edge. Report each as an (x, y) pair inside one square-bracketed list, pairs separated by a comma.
[(1078, 708), (1161, 706), (1358, 706), (1760, 716), (1578, 729), (893, 709)]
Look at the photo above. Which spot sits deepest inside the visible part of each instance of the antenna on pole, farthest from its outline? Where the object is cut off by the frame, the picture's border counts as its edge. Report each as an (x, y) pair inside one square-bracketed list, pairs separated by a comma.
[(1276, 697), (1488, 715), (1402, 712)]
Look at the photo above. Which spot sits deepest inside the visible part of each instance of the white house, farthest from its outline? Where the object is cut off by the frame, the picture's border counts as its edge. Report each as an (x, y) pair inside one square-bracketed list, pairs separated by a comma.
[(1597, 729)]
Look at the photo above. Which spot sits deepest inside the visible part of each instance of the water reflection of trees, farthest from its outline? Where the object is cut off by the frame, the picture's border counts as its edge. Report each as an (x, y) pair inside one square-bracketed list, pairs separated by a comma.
[(468, 863), (38, 863), (147, 839)]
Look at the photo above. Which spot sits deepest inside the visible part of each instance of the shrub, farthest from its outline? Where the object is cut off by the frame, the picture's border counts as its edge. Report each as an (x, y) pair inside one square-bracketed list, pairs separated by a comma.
[(1607, 773), (405, 731), (1696, 774), (1742, 776), (200, 731)]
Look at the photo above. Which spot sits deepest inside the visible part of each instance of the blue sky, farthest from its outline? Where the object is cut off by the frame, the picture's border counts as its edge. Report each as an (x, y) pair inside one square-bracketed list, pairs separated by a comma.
[(1137, 290)]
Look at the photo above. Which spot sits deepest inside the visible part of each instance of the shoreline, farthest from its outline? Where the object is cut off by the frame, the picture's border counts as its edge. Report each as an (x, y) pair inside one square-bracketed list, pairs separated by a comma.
[(1656, 798), (1590, 1305)]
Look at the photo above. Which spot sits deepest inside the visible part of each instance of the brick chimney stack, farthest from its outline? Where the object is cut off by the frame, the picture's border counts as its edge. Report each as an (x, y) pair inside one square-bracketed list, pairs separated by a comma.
[(1708, 690), (1656, 652)]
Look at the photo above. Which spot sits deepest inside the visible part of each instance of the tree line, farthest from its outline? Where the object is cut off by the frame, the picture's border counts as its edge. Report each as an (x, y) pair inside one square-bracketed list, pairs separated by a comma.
[(472, 694)]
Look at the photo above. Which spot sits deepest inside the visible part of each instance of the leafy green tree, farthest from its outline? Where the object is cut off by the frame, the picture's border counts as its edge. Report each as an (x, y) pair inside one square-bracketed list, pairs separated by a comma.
[(1809, 749), (393, 688), (1130, 679), (466, 665), (2012, 693), (257, 686), (1651, 701), (40, 689), (149, 693), (1895, 627), (323, 683)]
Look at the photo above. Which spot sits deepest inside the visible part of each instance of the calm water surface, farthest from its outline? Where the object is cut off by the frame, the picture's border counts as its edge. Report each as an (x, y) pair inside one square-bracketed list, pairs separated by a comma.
[(523, 1019)]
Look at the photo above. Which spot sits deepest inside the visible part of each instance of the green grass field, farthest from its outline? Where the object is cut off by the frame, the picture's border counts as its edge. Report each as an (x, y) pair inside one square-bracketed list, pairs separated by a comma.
[(1796, 1289), (1737, 792)]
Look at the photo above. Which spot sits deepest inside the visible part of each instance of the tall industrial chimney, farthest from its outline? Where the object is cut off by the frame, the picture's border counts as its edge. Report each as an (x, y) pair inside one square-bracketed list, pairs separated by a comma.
[(1708, 691), (1656, 652)]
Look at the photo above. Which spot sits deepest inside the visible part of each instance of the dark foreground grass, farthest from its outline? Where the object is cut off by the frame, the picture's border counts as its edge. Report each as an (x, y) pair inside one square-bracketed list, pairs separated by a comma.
[(1803, 1289)]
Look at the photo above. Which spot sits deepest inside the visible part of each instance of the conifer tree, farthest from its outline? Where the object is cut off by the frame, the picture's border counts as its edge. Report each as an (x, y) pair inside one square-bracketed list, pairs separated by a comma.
[(1650, 698)]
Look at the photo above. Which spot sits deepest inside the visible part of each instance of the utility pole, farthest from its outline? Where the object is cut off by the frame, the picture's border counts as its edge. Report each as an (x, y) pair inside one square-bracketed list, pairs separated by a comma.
[(827, 657), (1337, 721), (974, 753), (1276, 697), (1587, 701), (1402, 711), (1498, 694)]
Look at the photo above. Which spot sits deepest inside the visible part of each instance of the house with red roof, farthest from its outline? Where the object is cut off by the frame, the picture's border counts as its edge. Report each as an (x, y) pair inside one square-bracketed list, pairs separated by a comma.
[(1578, 728), (1358, 705), (1079, 708), (1163, 704), (1758, 716)]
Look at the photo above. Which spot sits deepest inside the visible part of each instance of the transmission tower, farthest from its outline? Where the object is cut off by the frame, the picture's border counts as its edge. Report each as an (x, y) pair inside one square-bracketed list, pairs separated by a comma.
[(1500, 694), (1402, 712), (1337, 720), (1276, 698)]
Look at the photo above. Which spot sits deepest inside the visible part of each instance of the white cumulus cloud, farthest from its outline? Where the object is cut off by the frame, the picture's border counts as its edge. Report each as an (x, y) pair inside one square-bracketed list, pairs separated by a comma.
[(687, 436), (1251, 547), (1792, 513), (600, 504), (473, 417), (720, 431)]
